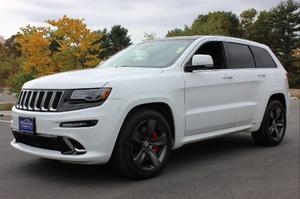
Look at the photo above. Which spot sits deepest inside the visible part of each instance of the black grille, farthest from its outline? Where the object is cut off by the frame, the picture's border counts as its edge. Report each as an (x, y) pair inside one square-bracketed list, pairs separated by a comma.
[(56, 143), (39, 100)]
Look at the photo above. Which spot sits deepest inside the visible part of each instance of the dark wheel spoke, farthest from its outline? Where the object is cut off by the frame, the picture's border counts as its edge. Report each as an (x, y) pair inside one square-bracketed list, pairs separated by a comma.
[(153, 157), (160, 141), (137, 137), (280, 123), (151, 127), (271, 129), (278, 113), (140, 157), (276, 132), (272, 115), (277, 123)]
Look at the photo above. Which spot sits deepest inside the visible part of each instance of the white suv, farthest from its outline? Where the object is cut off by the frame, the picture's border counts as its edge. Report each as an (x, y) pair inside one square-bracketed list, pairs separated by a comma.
[(151, 98)]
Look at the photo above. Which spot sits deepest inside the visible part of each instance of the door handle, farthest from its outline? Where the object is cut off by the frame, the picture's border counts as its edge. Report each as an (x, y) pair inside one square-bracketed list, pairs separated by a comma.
[(227, 76), (261, 75)]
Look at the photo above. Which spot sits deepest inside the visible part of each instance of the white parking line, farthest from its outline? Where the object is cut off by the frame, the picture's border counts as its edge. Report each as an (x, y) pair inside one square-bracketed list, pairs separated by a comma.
[(5, 121)]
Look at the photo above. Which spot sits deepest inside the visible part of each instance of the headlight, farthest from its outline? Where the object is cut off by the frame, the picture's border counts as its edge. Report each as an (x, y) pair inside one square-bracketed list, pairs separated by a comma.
[(90, 95), (84, 98)]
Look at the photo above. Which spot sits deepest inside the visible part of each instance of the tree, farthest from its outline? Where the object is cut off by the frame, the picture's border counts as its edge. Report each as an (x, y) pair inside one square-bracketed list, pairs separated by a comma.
[(285, 20), (113, 41), (263, 31), (2, 40), (67, 44), (119, 39), (217, 23), (247, 19), (13, 48), (179, 32), (72, 37), (213, 23), (149, 36), (294, 76), (105, 43), (35, 50), (9, 62)]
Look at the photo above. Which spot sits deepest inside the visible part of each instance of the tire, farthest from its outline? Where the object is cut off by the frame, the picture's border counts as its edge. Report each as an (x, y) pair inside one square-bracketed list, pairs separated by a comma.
[(273, 126), (143, 146)]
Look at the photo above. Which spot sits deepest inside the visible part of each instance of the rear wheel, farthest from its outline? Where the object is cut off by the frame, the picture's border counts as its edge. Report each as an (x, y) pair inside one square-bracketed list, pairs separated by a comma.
[(143, 146), (273, 126)]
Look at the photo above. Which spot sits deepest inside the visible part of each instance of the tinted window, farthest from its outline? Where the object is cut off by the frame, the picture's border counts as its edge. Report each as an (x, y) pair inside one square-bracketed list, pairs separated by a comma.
[(216, 50), (262, 58), (241, 56)]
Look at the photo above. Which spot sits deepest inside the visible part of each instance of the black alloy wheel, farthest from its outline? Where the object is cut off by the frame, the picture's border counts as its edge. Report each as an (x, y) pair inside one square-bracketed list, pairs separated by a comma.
[(273, 126), (277, 123), (143, 146), (149, 144)]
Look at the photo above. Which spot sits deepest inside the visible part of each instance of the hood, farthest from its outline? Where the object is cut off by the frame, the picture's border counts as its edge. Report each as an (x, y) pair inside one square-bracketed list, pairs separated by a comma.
[(89, 78)]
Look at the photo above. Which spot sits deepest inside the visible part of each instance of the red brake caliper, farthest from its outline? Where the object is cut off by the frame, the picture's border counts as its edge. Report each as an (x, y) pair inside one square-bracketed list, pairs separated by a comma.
[(155, 148)]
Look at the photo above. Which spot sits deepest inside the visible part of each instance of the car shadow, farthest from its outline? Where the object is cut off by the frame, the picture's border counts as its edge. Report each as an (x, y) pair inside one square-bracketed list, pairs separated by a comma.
[(104, 174)]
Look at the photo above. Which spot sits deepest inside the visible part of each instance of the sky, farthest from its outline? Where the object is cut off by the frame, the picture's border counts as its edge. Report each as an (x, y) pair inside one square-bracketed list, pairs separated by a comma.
[(138, 16)]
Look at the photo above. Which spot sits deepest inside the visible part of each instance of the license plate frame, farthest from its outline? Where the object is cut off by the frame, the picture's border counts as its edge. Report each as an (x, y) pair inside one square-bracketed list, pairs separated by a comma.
[(27, 125)]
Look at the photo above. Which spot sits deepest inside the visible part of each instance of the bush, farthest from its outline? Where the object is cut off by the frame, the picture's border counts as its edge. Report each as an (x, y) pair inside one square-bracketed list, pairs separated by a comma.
[(294, 80), (18, 80), (6, 107)]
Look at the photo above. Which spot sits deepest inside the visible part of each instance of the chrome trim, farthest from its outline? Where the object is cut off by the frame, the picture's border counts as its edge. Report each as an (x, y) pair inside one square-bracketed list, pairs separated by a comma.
[(19, 100), (29, 101), (73, 149), (28, 93), (36, 99), (51, 101), (43, 101), (56, 92), (23, 104)]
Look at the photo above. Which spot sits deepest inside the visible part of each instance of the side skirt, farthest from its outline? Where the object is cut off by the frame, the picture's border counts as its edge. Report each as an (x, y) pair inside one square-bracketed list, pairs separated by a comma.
[(213, 134)]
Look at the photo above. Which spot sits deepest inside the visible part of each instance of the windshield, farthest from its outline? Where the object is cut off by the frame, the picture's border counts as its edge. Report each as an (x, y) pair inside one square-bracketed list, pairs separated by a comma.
[(152, 54)]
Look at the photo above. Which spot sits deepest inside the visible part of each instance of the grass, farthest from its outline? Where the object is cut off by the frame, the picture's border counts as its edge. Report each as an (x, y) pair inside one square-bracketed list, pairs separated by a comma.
[(295, 93), (6, 107)]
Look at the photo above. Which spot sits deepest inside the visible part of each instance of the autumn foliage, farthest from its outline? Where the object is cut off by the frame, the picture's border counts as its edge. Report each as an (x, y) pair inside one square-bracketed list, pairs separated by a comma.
[(67, 44)]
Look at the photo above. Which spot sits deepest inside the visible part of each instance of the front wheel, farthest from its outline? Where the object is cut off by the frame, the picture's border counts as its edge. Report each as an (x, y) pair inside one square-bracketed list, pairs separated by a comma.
[(143, 146), (273, 126)]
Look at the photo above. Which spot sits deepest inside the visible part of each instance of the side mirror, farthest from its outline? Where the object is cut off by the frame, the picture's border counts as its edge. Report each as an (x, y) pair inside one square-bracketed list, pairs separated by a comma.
[(200, 62)]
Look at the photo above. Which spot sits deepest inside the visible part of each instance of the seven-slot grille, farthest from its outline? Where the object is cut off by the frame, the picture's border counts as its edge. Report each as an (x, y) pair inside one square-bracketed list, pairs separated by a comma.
[(39, 100)]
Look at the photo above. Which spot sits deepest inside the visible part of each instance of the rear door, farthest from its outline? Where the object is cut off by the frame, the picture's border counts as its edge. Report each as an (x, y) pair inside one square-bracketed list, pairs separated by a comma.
[(247, 83), (268, 74)]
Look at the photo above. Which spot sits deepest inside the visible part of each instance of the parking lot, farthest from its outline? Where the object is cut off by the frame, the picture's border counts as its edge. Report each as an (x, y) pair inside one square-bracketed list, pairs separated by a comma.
[(227, 167)]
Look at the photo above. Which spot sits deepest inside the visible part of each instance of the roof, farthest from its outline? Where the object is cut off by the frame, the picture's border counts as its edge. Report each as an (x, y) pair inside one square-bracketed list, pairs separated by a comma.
[(217, 37), (221, 37)]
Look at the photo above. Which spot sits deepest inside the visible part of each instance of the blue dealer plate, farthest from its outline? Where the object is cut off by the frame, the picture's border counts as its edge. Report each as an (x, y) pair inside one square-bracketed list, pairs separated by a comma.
[(27, 125)]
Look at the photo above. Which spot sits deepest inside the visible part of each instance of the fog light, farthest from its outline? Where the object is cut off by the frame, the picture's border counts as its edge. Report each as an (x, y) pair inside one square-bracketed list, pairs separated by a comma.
[(76, 124)]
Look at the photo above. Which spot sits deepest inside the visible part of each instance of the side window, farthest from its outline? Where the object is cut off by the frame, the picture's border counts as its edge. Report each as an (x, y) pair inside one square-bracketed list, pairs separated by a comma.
[(216, 50), (241, 56), (262, 58)]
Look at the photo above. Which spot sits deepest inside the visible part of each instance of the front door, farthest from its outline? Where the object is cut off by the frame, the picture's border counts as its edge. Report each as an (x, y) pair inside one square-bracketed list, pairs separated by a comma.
[(209, 94)]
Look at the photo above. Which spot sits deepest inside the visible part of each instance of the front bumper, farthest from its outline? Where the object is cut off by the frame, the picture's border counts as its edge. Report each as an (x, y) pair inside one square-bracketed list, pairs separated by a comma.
[(98, 141)]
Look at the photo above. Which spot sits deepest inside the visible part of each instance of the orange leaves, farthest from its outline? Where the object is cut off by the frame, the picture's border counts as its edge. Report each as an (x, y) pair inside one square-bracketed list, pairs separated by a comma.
[(73, 36), (66, 45), (35, 49)]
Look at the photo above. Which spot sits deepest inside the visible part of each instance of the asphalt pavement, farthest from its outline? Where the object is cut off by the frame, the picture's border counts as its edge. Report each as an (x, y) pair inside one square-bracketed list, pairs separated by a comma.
[(227, 167)]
